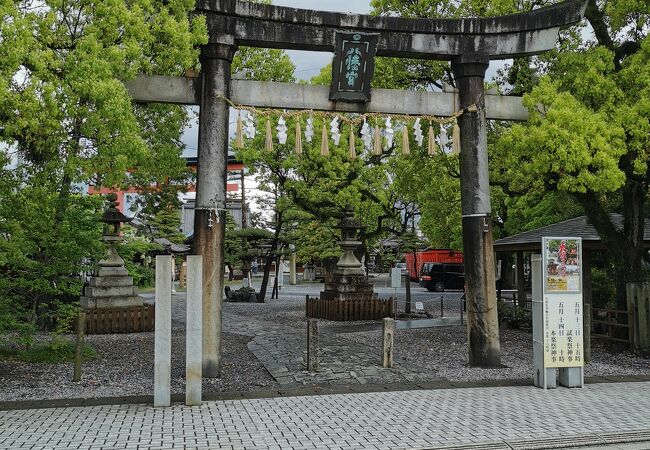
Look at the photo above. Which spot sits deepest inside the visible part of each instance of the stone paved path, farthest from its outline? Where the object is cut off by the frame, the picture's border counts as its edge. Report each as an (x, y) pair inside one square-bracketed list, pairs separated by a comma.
[(283, 351), (479, 418)]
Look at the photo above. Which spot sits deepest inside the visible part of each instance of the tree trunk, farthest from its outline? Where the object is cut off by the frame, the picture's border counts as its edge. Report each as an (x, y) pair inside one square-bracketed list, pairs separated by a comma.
[(265, 280), (625, 247)]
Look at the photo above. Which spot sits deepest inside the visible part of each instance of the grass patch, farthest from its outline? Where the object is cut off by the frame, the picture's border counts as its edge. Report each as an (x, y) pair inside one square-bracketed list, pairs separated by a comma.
[(49, 353)]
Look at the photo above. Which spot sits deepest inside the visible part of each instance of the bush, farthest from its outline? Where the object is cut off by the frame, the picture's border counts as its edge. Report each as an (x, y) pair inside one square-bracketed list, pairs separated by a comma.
[(603, 288), (513, 317), (57, 351), (15, 328)]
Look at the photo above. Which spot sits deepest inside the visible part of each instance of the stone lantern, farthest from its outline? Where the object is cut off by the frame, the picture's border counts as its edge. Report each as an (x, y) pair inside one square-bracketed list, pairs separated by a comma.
[(348, 295), (348, 264), (111, 286)]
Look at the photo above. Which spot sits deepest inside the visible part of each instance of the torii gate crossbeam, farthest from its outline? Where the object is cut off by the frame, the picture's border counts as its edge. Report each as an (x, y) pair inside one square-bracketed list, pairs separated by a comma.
[(468, 43)]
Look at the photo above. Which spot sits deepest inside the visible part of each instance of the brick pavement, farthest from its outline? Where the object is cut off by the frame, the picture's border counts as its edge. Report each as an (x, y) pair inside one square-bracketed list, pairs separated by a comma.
[(478, 418)]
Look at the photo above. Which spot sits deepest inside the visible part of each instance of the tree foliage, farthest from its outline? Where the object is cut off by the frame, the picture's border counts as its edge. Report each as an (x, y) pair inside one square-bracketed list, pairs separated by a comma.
[(65, 112), (586, 147)]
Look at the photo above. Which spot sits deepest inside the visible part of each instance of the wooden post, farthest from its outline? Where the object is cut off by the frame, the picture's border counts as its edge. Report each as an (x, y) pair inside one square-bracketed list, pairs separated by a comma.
[(293, 276), (193, 332), (78, 355), (162, 372), (482, 321), (638, 308), (312, 345), (586, 303), (521, 285), (407, 282), (210, 210), (388, 331)]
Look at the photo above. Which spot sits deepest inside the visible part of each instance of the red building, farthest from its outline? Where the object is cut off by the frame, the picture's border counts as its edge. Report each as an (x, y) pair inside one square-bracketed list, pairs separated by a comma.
[(128, 197), (436, 255)]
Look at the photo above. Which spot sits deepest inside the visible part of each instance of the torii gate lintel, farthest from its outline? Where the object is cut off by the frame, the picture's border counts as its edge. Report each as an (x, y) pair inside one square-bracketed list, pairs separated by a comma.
[(468, 43)]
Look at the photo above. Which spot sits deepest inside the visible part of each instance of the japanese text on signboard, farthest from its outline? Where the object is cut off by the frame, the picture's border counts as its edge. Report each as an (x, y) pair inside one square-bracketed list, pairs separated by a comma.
[(353, 67), (563, 344)]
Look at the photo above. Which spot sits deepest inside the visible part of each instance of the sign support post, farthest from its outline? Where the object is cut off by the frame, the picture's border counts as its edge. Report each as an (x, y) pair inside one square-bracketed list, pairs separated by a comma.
[(557, 313)]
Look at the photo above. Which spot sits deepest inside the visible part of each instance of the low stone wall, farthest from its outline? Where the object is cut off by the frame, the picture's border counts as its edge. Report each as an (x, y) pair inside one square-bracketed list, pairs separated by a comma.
[(349, 309)]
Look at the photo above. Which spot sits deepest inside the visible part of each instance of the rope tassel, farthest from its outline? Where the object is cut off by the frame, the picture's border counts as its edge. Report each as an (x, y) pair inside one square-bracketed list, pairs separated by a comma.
[(376, 149), (351, 143), (456, 140), (268, 145), (324, 144), (432, 147), (406, 145), (239, 138), (298, 138)]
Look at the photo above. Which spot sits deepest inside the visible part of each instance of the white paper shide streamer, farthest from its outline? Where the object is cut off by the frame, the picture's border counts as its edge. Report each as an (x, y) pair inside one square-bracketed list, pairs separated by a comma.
[(443, 139), (309, 130), (282, 130), (249, 126), (366, 136), (335, 131), (389, 134), (417, 130)]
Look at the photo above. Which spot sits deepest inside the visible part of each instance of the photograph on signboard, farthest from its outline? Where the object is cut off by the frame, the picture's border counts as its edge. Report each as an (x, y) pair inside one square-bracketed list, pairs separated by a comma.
[(562, 271)]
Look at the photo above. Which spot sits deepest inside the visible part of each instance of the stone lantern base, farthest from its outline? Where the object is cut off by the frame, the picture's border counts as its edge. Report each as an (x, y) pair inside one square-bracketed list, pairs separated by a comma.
[(349, 298), (111, 287)]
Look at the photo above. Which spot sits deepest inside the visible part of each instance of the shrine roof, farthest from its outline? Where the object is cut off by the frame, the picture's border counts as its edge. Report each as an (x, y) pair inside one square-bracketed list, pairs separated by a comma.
[(576, 227)]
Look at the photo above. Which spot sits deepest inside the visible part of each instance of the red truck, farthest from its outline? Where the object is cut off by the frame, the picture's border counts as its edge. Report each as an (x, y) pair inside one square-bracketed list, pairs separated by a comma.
[(436, 255)]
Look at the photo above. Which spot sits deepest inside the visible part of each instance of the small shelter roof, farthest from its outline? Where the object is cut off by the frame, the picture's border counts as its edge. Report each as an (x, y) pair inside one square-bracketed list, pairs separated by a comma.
[(576, 227), (171, 247)]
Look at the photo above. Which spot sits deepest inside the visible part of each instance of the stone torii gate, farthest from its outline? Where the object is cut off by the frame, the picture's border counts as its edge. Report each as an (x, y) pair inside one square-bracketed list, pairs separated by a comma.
[(468, 43)]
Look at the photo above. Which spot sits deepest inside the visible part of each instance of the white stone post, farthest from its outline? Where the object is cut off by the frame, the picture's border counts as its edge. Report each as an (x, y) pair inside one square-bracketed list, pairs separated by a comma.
[(194, 331), (163, 334)]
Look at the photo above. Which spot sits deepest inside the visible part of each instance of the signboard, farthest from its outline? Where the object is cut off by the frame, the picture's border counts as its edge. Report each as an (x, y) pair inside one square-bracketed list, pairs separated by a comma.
[(562, 301), (353, 66), (396, 277), (419, 306)]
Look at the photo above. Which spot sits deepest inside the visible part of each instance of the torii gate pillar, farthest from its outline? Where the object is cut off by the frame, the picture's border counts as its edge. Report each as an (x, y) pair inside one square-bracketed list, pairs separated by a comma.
[(210, 209), (483, 325)]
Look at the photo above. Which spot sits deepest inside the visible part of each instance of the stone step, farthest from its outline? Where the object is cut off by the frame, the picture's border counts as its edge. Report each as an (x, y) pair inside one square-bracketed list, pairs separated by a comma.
[(110, 302), (112, 272), (111, 281), (330, 287), (111, 291)]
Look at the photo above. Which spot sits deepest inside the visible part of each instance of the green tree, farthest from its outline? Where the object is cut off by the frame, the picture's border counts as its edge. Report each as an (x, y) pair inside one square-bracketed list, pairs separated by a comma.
[(588, 136), (587, 141), (66, 113), (166, 223), (41, 263)]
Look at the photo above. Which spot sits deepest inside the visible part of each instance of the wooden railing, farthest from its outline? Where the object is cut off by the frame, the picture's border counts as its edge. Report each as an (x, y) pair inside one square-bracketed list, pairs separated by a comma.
[(120, 320), (608, 324), (348, 310)]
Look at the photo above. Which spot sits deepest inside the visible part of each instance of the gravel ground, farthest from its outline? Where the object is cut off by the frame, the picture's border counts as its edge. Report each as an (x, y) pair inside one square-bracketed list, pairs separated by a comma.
[(124, 363), (124, 366), (444, 351)]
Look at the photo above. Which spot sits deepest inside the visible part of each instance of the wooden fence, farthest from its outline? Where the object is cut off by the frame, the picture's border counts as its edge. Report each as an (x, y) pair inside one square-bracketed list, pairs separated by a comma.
[(120, 320), (611, 325), (348, 310)]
